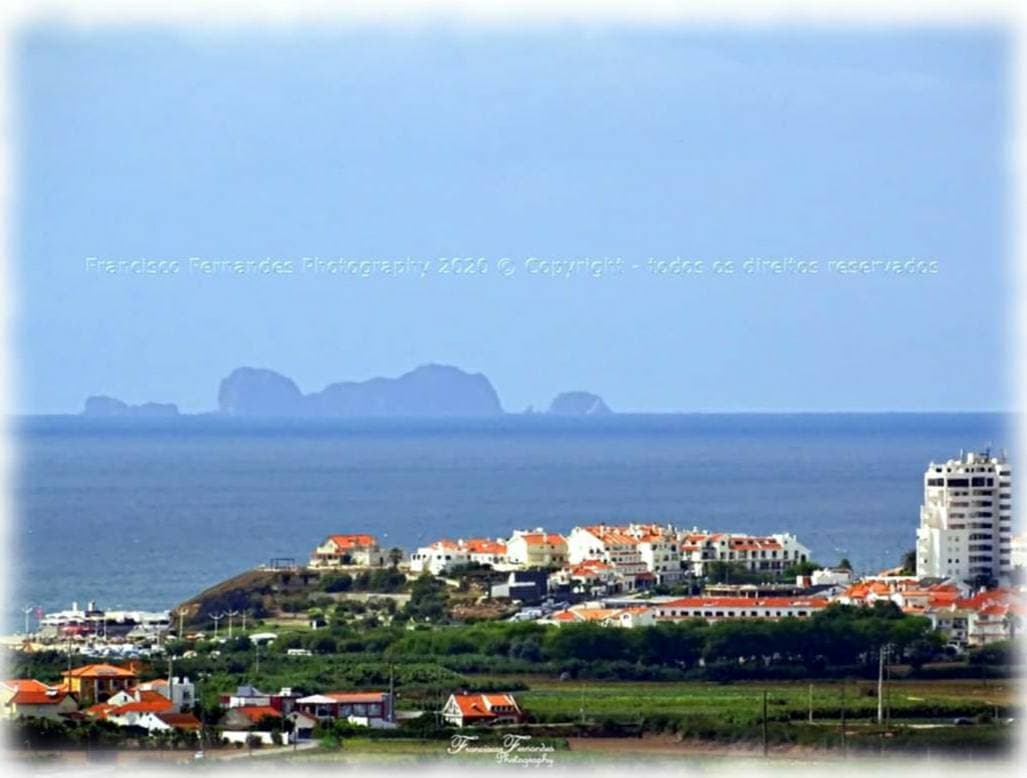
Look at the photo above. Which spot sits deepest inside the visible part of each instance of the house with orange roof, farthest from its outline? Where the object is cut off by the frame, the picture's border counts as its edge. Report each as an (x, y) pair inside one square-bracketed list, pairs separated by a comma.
[(481, 710), (993, 615), (591, 578), (536, 548), (359, 550), (246, 717), (635, 616), (130, 714), (97, 682), (26, 697), (483, 551), (149, 708)]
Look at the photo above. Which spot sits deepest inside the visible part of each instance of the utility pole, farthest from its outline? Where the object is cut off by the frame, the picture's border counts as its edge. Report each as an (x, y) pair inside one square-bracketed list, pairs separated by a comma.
[(764, 722), (887, 690), (392, 692), (845, 744), (181, 620), (880, 685), (257, 670)]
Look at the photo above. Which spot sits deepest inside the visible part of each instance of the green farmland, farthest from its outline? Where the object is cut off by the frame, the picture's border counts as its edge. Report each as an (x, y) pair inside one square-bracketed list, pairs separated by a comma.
[(742, 702)]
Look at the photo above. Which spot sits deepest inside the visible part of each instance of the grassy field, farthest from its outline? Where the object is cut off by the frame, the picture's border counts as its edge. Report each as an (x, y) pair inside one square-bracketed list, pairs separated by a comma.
[(553, 701)]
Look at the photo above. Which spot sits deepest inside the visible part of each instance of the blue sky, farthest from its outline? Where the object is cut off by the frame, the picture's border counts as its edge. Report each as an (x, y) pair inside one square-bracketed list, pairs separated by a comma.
[(568, 142)]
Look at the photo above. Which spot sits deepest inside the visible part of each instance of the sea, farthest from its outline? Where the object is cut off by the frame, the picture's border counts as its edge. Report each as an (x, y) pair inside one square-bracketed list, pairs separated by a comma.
[(143, 514)]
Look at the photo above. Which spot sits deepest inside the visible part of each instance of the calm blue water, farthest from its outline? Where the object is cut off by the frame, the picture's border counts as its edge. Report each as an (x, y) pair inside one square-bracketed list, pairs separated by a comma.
[(145, 514)]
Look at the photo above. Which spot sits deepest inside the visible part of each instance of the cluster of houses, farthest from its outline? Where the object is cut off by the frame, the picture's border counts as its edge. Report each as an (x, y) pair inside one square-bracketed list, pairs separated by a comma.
[(116, 694), (966, 618), (589, 559), (607, 570), (113, 693)]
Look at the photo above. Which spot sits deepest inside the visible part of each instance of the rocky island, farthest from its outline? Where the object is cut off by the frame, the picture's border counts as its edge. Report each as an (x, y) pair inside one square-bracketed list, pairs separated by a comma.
[(426, 391)]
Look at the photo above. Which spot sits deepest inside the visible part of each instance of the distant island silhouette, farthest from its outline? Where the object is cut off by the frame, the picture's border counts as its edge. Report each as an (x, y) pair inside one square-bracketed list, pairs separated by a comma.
[(429, 391)]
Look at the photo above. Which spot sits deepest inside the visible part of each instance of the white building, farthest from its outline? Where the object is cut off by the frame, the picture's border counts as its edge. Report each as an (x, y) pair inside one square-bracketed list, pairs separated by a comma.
[(439, 557), (966, 519), (1018, 557), (772, 554), (616, 547), (828, 576), (443, 555)]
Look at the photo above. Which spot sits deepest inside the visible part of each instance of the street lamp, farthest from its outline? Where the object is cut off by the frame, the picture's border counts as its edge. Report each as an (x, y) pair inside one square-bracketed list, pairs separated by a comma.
[(230, 615), (27, 610), (216, 617)]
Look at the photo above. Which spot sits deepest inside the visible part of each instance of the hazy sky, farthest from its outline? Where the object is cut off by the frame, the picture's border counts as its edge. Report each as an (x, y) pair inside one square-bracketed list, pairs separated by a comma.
[(553, 144)]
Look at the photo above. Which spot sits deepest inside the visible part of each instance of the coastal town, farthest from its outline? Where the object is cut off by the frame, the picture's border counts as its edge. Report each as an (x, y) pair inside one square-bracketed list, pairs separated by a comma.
[(962, 581)]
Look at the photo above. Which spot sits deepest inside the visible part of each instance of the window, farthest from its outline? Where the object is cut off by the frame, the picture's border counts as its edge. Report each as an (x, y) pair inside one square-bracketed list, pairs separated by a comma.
[(958, 482)]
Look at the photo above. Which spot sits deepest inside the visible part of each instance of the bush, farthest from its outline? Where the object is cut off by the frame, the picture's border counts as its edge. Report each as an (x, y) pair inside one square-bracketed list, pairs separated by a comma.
[(337, 582)]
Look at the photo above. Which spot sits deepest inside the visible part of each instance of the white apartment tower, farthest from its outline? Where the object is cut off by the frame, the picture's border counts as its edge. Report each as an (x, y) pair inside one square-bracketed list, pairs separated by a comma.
[(966, 519)]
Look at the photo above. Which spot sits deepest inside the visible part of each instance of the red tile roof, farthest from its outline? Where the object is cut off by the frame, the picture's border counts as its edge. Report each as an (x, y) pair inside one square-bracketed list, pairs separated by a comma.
[(25, 685), (754, 544), (478, 706), (185, 721), (256, 712), (99, 671), (445, 543), (485, 546), (538, 538), (100, 710), (613, 536), (344, 542), (44, 696), (149, 706)]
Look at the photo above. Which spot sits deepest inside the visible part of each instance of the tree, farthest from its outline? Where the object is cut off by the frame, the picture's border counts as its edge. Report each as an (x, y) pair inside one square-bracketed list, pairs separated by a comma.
[(428, 599), (395, 556), (1001, 652), (845, 564), (909, 562), (801, 568)]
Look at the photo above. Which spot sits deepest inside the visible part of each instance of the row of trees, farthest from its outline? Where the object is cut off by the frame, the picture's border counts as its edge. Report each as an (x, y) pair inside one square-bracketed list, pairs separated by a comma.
[(839, 635)]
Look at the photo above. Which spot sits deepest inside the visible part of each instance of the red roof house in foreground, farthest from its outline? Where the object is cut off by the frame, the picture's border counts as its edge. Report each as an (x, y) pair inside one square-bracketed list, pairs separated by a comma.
[(476, 710)]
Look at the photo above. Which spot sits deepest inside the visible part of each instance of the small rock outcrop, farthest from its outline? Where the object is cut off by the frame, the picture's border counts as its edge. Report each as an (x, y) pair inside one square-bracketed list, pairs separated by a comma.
[(103, 406), (578, 404)]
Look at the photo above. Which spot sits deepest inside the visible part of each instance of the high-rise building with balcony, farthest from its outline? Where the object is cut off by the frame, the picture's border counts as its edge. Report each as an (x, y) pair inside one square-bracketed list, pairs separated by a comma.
[(966, 519)]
